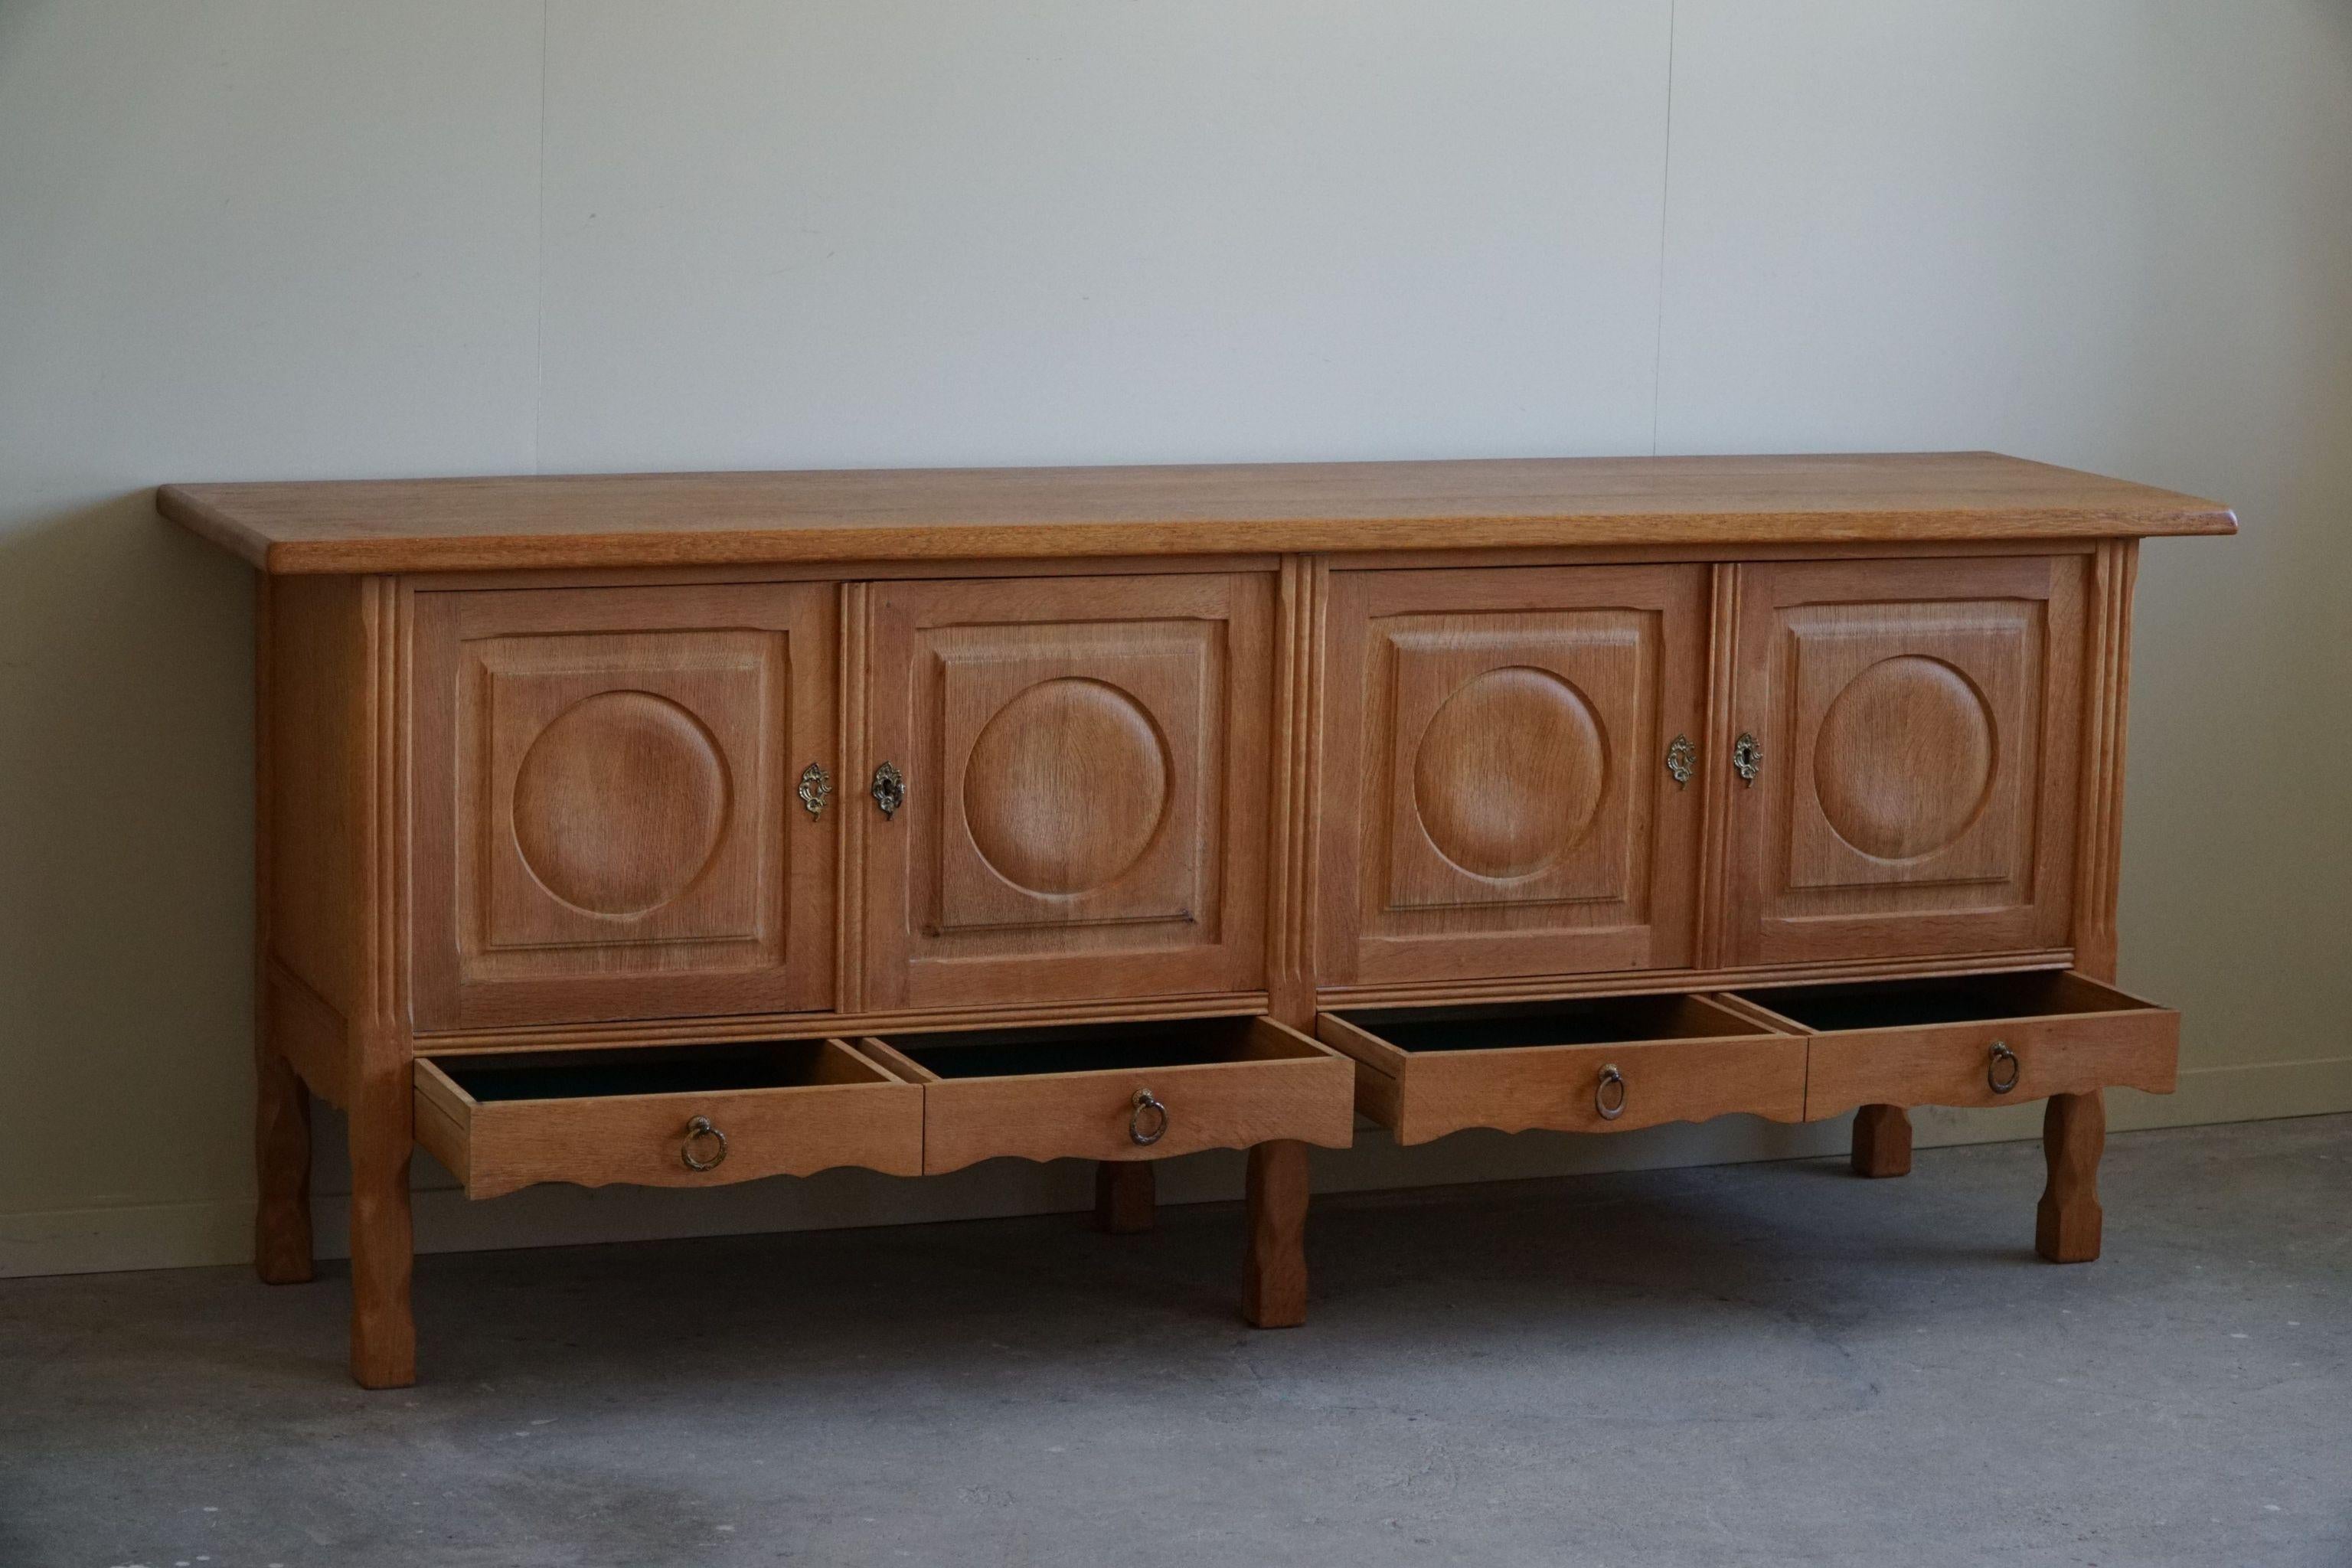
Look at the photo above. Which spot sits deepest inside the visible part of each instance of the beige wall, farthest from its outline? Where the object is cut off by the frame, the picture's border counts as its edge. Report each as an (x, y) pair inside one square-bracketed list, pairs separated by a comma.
[(241, 240)]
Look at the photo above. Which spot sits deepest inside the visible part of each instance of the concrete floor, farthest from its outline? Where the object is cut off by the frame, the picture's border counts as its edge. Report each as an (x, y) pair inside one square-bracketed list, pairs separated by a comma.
[(1759, 1364)]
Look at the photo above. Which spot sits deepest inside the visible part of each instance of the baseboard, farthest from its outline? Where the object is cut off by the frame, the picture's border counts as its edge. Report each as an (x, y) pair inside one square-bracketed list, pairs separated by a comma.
[(194, 1234)]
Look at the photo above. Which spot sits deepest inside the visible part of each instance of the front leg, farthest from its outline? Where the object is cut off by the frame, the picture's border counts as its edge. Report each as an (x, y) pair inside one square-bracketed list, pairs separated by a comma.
[(2073, 1132), (383, 1331), (1274, 1279)]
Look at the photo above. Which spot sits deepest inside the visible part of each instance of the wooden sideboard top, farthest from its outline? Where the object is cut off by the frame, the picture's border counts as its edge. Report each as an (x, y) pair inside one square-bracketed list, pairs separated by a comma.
[(899, 514)]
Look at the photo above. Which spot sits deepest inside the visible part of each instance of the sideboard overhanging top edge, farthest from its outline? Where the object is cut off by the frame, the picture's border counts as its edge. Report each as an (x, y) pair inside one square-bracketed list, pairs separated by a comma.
[(976, 514)]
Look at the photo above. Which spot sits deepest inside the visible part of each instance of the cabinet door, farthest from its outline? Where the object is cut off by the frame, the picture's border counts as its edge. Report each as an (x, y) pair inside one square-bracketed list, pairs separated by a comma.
[(604, 809), (1497, 798), (1085, 782), (1916, 727)]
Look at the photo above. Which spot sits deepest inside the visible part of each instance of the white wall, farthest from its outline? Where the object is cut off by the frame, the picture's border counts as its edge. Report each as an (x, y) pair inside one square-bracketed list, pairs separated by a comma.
[(245, 240)]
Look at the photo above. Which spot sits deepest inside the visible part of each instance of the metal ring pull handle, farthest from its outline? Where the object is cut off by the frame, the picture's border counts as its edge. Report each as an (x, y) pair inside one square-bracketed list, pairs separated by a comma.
[(1145, 1105), (1609, 1076), (889, 790), (2001, 1053), (696, 1131)]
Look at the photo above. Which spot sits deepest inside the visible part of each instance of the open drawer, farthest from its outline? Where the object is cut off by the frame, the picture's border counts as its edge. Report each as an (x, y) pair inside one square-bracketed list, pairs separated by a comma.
[(676, 1116), (1975, 1039), (1121, 1090), (1590, 1065)]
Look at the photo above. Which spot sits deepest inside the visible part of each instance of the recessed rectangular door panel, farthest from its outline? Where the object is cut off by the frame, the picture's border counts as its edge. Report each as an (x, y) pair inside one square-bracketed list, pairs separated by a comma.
[(1907, 736), (1084, 769), (1508, 777), (605, 817)]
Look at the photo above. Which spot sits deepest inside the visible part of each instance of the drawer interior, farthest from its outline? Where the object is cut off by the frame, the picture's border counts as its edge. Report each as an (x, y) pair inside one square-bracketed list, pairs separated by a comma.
[(491, 1078), (1087, 1048), (1953, 999), (1580, 1021)]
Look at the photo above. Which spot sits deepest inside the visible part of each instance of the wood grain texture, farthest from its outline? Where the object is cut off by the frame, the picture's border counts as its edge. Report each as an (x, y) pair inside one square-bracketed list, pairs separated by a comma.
[(316, 736), (1273, 1271), (1087, 778), (1125, 690), (1920, 730), (2068, 1219), (849, 1112), (1494, 798), (1882, 1141), (1704, 1061), (2099, 863), (381, 1120), (438, 525), (2125, 1042), (1272, 1083), (606, 823), (1124, 1196)]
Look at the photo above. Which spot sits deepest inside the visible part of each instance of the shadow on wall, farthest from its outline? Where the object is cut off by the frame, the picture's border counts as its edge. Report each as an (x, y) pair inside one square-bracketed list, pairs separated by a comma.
[(125, 859)]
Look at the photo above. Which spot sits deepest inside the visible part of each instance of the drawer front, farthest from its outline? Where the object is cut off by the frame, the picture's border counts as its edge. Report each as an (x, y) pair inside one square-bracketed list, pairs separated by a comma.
[(1297, 1090), (865, 1119), (1956, 1064), (1612, 1086)]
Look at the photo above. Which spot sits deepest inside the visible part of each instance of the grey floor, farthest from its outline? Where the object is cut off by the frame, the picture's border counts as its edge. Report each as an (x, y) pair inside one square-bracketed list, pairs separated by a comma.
[(1754, 1364)]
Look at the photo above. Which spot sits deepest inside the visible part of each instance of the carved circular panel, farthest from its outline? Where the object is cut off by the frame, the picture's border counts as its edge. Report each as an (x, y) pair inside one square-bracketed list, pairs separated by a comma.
[(1065, 789), (619, 803), (1510, 773), (1904, 758)]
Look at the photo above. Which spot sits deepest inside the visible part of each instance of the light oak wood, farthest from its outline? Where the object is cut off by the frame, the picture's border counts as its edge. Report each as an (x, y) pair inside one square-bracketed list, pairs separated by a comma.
[(829, 1107), (2068, 1220), (1182, 747), (606, 824), (381, 1124), (1232, 1084), (1124, 1190), (1496, 799), (1882, 1141), (2099, 864), (1086, 767), (1920, 733), (1682, 1058), (439, 525), (1273, 1271), (2068, 1034)]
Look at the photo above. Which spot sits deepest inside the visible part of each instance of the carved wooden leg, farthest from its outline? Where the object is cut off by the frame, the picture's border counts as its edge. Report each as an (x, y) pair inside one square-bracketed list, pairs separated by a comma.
[(1123, 1196), (2073, 1132), (383, 1332), (281, 1158), (1273, 1280), (1882, 1141)]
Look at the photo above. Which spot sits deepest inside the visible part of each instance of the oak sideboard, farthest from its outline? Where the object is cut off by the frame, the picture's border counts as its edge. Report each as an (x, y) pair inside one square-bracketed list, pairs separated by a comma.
[(686, 829)]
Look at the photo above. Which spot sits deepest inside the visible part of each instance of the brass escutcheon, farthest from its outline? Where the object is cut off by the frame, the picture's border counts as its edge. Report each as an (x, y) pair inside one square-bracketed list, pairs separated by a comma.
[(817, 788), (1682, 761)]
